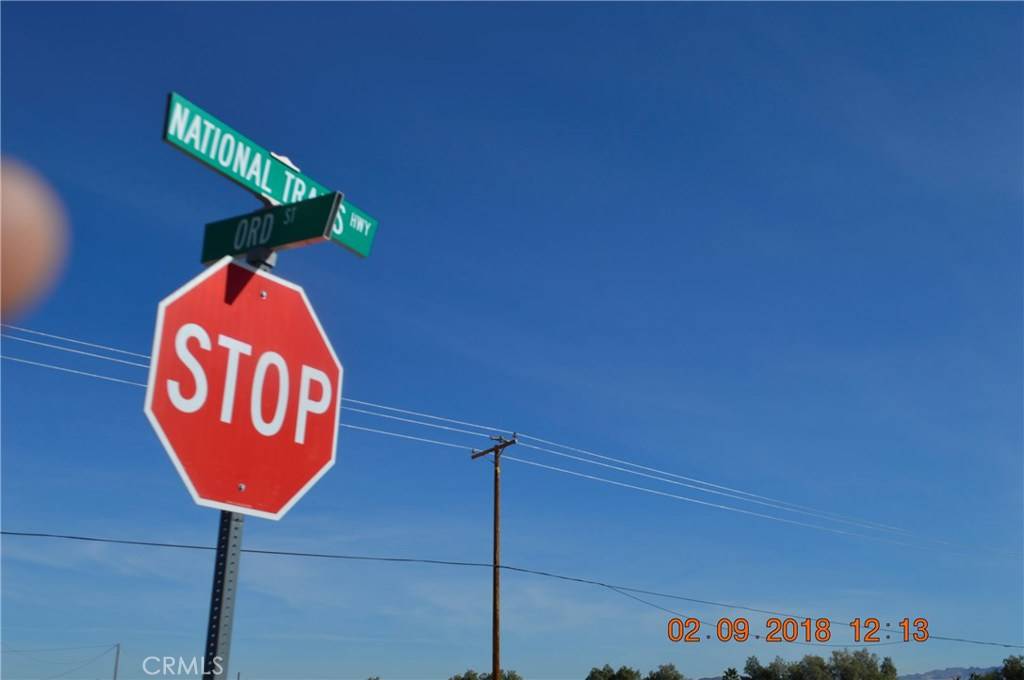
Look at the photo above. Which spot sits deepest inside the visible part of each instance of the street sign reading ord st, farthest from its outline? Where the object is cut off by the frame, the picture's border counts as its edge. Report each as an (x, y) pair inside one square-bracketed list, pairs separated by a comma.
[(280, 228), (210, 141)]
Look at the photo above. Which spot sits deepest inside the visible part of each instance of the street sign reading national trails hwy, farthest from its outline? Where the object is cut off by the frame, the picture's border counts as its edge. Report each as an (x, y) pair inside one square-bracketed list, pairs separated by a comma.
[(238, 158), (280, 227), (244, 390)]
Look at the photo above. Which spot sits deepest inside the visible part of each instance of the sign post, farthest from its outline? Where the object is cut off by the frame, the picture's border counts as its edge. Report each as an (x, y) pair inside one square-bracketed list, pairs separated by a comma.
[(222, 595), (247, 410), (236, 341)]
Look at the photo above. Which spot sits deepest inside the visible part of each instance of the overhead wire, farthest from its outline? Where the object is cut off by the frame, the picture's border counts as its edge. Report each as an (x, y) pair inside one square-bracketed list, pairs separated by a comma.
[(32, 654), (427, 415), (75, 341), (456, 563), (8, 336), (700, 481), (7, 647), (508, 457), (404, 436), (780, 504), (87, 663), (719, 506), (693, 486), (71, 370), (713, 488), (661, 475), (410, 420), (553, 468), (698, 485)]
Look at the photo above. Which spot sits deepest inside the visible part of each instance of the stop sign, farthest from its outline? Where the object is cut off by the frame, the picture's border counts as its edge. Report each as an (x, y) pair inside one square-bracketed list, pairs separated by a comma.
[(244, 390)]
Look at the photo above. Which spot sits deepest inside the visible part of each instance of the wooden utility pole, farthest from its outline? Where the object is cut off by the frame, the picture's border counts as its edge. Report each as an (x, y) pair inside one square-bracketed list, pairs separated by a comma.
[(496, 564)]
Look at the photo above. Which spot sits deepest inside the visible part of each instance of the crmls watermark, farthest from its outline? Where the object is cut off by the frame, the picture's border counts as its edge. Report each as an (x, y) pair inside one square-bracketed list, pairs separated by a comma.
[(179, 665)]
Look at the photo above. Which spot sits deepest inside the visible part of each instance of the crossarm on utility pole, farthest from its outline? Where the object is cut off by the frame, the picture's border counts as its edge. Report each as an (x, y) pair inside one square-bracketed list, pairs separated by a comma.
[(497, 448)]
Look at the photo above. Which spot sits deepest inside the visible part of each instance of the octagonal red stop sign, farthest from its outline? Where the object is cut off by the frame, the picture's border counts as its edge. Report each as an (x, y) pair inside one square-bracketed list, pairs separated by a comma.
[(244, 390)]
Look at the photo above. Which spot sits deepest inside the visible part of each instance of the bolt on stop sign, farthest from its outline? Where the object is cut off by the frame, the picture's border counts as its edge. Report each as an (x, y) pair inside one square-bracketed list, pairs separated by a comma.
[(244, 390)]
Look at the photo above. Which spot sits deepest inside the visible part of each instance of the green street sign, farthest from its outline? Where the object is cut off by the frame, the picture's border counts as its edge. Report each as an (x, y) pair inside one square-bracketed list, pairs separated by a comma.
[(280, 227), (210, 141)]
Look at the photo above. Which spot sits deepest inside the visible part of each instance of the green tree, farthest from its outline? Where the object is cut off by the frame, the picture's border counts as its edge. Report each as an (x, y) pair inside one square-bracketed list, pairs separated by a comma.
[(776, 670), (858, 665), (1013, 668), (666, 672), (609, 673), (753, 670), (468, 675), (811, 667), (730, 674), (473, 675)]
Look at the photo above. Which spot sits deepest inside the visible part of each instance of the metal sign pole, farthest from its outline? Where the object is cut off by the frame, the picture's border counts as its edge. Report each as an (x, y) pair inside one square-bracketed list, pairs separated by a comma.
[(222, 596), (275, 180), (229, 555)]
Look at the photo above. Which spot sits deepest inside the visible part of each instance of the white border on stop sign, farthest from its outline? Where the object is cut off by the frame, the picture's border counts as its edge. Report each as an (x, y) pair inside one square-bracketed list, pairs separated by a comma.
[(151, 383)]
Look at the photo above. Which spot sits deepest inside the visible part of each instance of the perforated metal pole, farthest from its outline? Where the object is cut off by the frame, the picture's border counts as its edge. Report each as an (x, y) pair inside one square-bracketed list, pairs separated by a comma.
[(222, 596)]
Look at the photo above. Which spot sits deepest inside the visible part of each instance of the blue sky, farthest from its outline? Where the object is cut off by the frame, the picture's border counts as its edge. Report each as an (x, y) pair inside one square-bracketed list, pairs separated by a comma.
[(774, 247)]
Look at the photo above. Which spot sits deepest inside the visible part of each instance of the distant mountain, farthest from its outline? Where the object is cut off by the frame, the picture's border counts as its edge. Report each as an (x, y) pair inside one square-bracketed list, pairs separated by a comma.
[(948, 673)]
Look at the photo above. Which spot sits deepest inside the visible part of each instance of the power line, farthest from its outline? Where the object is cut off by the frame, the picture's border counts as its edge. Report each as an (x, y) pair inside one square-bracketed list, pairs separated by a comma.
[(136, 384), (427, 415), (81, 664), (699, 481), (90, 661), (410, 420), (8, 336), (132, 363), (553, 469), (406, 436), (736, 494), (714, 505), (662, 475), (796, 507), (77, 342), (458, 563), (31, 653), (783, 505), (696, 487), (71, 370), (49, 649), (747, 496), (146, 356)]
